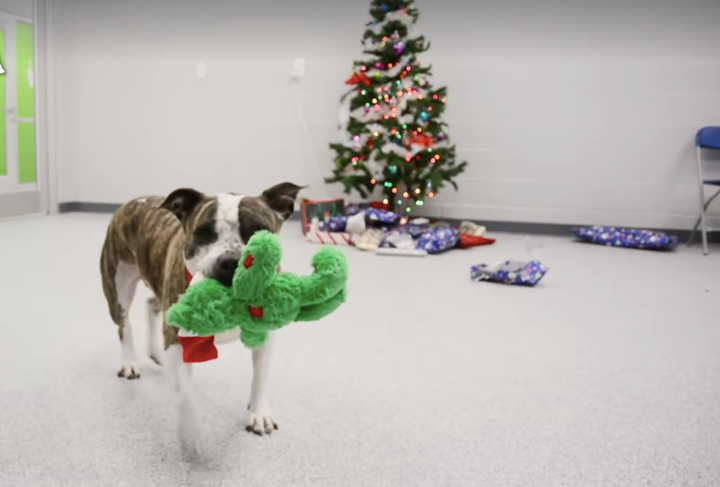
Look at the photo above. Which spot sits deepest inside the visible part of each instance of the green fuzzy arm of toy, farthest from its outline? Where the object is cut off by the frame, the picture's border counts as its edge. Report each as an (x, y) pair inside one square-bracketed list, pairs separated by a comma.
[(329, 278), (315, 312)]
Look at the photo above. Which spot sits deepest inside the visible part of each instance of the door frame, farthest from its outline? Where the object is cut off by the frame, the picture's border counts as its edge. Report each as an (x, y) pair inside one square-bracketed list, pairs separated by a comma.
[(46, 169), (9, 181), (45, 113)]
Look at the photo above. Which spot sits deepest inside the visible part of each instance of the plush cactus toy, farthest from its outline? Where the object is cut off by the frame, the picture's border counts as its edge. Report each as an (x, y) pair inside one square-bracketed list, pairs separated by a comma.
[(260, 300)]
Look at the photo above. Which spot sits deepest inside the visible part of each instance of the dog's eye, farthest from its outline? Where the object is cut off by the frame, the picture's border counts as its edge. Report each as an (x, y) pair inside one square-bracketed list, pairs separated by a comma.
[(205, 234), (248, 229)]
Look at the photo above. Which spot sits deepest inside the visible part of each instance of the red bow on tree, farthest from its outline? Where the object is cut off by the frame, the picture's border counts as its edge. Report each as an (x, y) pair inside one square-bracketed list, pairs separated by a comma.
[(358, 78), (423, 140)]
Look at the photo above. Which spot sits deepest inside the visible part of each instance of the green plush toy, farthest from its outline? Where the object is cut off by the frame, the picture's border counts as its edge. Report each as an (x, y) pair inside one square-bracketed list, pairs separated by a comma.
[(260, 300)]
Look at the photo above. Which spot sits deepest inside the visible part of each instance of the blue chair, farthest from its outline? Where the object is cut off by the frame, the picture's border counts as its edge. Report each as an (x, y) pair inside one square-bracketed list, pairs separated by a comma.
[(706, 138)]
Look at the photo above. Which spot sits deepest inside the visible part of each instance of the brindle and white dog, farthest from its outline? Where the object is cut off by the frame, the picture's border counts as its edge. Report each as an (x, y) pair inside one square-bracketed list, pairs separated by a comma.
[(159, 241)]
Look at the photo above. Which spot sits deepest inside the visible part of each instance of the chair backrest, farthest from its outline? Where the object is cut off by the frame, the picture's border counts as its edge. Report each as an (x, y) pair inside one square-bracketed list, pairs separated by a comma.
[(708, 138)]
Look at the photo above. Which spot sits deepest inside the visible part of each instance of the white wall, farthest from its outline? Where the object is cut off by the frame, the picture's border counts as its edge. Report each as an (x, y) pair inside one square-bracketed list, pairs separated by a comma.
[(574, 111), (23, 8)]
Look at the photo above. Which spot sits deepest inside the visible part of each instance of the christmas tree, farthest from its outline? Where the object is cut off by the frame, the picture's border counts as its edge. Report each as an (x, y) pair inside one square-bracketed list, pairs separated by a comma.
[(396, 136)]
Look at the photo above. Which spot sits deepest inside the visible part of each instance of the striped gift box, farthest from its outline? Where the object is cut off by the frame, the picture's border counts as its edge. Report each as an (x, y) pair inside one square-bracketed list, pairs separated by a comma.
[(329, 238)]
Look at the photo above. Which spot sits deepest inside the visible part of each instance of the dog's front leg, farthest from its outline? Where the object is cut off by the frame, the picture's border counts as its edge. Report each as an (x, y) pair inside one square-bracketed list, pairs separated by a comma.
[(188, 427), (260, 420)]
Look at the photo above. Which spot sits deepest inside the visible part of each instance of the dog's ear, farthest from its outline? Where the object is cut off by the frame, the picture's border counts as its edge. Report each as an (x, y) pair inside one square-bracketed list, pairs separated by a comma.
[(281, 198), (182, 202)]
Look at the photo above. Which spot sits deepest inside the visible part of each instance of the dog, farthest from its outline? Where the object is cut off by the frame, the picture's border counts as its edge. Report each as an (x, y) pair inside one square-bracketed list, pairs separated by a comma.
[(172, 242)]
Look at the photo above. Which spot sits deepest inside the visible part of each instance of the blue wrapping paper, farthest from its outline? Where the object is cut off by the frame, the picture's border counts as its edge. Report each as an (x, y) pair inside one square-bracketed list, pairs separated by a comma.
[(381, 216), (355, 208), (439, 239), (408, 229), (626, 238), (334, 224), (514, 272), (415, 230)]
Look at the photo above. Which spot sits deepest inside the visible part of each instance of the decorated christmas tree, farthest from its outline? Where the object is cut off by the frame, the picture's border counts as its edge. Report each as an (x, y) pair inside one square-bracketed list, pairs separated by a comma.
[(396, 138)]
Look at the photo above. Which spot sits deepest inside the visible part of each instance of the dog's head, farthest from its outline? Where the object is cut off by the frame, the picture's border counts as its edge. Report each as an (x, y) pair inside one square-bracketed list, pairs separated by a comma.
[(217, 228)]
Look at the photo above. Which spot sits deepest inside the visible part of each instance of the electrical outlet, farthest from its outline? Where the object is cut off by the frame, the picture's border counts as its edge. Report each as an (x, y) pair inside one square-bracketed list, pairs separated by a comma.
[(200, 70), (298, 67)]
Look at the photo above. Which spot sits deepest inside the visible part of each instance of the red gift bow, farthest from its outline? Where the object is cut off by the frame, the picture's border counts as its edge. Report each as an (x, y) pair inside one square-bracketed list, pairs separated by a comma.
[(423, 140), (358, 78)]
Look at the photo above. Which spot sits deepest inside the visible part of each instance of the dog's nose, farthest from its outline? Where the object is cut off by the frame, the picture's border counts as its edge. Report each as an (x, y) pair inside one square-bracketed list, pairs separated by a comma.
[(224, 271)]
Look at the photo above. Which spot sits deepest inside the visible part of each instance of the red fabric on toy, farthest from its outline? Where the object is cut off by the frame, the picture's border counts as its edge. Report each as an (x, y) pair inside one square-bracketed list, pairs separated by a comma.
[(248, 261), (198, 349), (255, 312)]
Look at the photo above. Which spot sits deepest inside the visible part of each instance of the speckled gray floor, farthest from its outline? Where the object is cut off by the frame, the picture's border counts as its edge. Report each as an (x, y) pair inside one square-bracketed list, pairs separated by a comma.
[(608, 374)]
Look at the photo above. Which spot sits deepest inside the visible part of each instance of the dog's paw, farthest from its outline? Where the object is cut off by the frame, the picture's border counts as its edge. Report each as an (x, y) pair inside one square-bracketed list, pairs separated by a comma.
[(260, 421), (188, 424), (158, 357), (129, 371)]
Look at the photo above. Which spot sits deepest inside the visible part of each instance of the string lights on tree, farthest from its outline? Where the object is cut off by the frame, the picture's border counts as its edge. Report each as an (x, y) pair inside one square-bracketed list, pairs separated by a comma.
[(396, 141)]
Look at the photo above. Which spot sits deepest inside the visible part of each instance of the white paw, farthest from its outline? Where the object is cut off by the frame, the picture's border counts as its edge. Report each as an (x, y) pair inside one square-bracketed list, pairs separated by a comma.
[(260, 421), (129, 371)]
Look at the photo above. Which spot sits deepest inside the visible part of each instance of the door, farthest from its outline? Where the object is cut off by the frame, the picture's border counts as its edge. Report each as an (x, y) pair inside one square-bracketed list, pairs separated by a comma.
[(19, 189)]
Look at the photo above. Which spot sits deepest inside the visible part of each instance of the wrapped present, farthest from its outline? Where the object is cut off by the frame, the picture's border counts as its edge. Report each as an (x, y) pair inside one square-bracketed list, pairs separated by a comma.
[(414, 230), (626, 238), (315, 235), (370, 240), (322, 210), (513, 272), (379, 205), (334, 224), (398, 238), (383, 217), (330, 238), (355, 208), (437, 239), (472, 228)]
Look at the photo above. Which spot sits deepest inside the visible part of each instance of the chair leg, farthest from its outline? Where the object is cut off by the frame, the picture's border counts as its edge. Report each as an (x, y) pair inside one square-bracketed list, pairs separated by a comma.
[(702, 201), (691, 239), (697, 223)]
